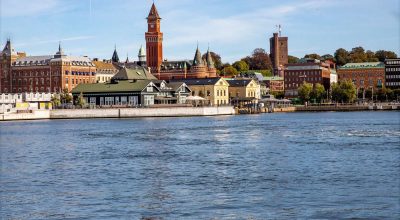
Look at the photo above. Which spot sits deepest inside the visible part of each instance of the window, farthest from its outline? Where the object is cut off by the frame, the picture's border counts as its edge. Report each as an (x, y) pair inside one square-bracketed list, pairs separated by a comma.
[(117, 100), (148, 100), (133, 101), (124, 100), (150, 89), (93, 100)]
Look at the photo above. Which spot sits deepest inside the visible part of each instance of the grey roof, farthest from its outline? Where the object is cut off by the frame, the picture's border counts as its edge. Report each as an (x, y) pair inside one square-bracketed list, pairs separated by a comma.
[(115, 57), (139, 73), (205, 81), (197, 60), (239, 82), (9, 49), (210, 62)]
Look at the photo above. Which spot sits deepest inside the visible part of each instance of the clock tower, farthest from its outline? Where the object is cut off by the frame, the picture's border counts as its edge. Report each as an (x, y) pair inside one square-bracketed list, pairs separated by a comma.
[(154, 39)]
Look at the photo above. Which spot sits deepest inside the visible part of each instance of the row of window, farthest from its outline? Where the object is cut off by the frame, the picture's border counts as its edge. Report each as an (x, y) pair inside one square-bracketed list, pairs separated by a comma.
[(312, 79), (80, 73), (370, 82), (393, 62), (392, 76), (392, 69), (221, 92), (393, 83), (370, 74), (78, 81), (123, 100), (311, 73)]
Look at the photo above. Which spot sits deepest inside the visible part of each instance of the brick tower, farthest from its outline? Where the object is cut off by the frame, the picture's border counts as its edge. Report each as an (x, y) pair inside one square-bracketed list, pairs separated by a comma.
[(154, 39), (7, 57), (278, 53)]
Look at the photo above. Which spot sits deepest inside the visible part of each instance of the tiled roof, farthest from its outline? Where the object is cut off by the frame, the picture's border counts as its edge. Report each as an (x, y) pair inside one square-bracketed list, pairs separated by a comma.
[(104, 66), (239, 82)]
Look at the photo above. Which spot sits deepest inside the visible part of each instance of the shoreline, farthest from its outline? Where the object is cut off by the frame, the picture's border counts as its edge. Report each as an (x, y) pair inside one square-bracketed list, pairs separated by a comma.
[(60, 114)]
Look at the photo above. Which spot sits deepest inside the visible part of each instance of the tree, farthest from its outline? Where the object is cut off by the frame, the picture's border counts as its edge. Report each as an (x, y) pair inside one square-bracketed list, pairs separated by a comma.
[(65, 97), (259, 60), (241, 66), (278, 94), (318, 92), (341, 56), (345, 91), (229, 71), (305, 91), (293, 59), (381, 55), (371, 56), (80, 101), (313, 56), (265, 72), (216, 58), (328, 57), (358, 55), (55, 100)]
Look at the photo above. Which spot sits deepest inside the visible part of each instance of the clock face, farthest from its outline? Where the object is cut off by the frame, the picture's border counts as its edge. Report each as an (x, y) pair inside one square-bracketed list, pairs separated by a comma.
[(152, 25)]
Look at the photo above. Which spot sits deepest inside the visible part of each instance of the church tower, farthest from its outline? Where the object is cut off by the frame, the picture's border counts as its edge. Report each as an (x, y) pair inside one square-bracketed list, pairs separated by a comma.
[(7, 56), (154, 39)]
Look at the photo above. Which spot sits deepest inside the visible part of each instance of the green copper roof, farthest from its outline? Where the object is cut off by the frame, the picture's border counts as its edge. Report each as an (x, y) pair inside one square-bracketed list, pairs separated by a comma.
[(365, 65), (272, 78), (134, 74), (120, 86)]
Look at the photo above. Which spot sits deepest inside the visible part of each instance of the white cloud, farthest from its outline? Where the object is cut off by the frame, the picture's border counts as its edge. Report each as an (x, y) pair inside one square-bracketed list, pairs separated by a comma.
[(14, 8), (76, 38)]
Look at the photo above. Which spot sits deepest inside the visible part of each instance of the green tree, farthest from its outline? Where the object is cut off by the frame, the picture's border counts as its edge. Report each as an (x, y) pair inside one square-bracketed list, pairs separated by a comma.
[(293, 59), (345, 91), (216, 58), (229, 71), (278, 94), (55, 100), (358, 55), (328, 57), (80, 101), (313, 56), (65, 97), (318, 92), (371, 56), (265, 72), (341, 56), (241, 66), (383, 54), (305, 91)]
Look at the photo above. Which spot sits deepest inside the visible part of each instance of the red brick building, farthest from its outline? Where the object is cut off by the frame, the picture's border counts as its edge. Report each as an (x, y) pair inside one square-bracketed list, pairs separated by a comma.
[(363, 75), (309, 71), (165, 70), (50, 73)]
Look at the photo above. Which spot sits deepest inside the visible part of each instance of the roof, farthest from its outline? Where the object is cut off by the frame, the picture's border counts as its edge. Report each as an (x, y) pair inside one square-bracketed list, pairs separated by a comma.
[(100, 65), (273, 78), (365, 65), (120, 86), (153, 12), (115, 57), (9, 49), (192, 82), (138, 73), (239, 82)]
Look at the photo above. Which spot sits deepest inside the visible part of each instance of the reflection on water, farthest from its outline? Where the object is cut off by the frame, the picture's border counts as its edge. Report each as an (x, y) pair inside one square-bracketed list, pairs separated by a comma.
[(299, 165)]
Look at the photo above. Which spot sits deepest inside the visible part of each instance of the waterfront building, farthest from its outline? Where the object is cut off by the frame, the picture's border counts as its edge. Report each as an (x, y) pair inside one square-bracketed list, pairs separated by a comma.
[(243, 90), (307, 70), (49, 74), (118, 93), (214, 90), (368, 75), (274, 84), (12, 102), (278, 53), (105, 70), (172, 92), (392, 73)]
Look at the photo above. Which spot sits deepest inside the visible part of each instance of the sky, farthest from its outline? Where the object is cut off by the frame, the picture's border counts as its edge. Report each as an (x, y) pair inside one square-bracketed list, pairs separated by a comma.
[(231, 28)]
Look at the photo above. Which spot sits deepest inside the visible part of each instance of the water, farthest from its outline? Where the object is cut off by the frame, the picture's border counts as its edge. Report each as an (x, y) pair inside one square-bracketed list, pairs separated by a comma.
[(270, 166)]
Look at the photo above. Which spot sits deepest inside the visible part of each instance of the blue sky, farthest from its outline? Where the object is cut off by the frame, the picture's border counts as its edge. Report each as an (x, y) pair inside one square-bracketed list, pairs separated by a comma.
[(232, 28)]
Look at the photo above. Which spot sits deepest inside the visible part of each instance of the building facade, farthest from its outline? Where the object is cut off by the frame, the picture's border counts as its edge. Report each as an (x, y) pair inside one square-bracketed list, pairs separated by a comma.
[(154, 40), (307, 70), (392, 73), (274, 84), (278, 53), (214, 90), (244, 88), (369, 75), (105, 70), (43, 74)]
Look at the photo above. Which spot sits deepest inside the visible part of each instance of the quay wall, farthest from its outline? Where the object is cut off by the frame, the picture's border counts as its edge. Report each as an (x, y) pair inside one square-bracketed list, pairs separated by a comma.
[(120, 113), (347, 108)]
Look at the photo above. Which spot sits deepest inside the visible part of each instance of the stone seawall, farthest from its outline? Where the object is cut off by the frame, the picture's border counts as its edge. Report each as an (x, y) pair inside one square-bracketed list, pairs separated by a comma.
[(120, 113)]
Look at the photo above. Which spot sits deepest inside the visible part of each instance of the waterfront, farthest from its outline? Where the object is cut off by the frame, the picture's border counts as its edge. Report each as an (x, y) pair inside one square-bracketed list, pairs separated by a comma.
[(300, 165)]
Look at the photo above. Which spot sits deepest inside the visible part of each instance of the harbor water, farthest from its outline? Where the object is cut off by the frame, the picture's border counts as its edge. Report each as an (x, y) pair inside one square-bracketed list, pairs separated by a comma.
[(326, 165)]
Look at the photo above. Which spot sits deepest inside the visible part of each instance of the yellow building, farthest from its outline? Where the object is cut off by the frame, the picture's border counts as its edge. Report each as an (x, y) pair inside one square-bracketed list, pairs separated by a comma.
[(104, 71), (214, 90), (244, 88)]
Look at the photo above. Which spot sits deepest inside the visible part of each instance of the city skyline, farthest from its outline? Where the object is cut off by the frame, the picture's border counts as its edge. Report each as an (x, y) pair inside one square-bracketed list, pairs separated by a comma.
[(93, 27)]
